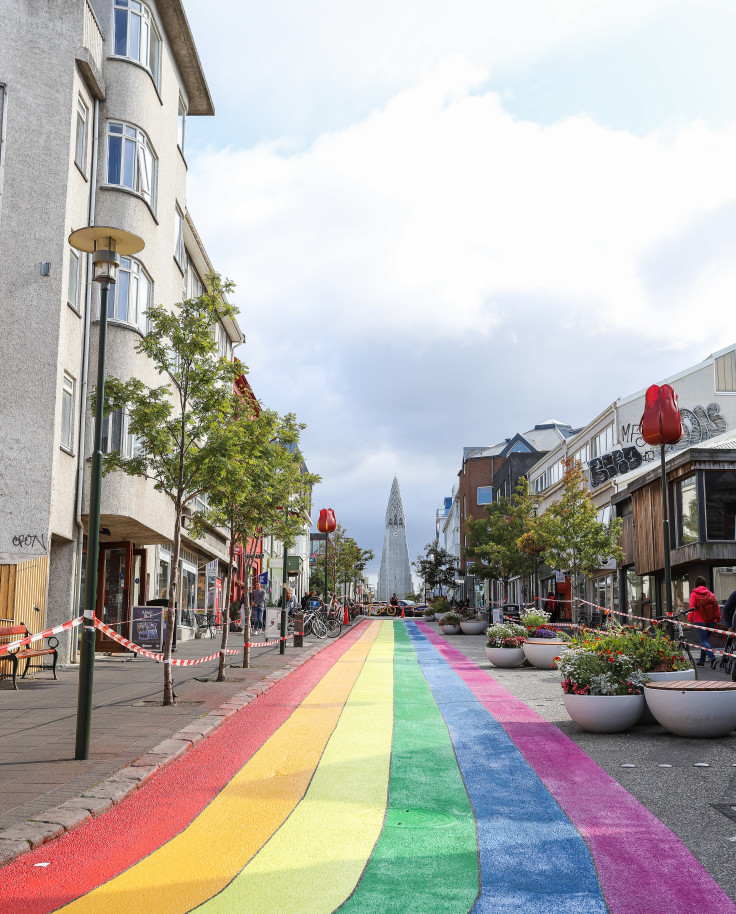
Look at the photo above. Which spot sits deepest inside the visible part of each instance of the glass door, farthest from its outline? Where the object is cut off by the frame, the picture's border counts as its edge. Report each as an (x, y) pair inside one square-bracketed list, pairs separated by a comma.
[(114, 591)]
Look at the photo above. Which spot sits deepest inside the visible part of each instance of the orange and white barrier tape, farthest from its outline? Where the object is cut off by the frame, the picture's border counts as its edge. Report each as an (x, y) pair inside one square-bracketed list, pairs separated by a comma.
[(57, 629)]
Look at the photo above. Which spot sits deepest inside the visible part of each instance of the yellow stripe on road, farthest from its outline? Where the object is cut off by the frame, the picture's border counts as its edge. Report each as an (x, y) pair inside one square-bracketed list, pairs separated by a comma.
[(205, 857), (313, 863)]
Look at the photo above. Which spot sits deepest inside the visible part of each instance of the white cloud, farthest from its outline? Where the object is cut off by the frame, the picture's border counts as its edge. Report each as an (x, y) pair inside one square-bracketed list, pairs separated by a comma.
[(439, 274)]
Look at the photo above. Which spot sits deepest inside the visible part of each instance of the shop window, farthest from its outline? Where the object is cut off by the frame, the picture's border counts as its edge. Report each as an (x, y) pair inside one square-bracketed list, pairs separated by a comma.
[(680, 593), (686, 508), (641, 598), (724, 582), (720, 505)]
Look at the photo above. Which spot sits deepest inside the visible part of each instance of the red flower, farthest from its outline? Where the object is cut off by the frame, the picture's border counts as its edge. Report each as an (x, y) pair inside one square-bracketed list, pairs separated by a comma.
[(326, 522), (660, 423)]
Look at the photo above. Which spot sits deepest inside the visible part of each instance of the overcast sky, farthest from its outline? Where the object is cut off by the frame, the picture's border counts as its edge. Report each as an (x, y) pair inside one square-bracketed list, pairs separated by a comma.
[(450, 221)]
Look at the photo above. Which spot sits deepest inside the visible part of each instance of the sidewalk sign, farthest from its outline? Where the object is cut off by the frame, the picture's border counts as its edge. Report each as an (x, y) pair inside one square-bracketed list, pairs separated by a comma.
[(146, 626)]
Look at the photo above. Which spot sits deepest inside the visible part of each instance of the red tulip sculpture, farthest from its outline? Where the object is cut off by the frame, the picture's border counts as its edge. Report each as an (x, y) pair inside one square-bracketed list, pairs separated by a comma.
[(661, 423), (326, 522)]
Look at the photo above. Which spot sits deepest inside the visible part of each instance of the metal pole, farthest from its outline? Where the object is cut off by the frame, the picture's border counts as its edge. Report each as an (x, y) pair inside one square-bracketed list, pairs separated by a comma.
[(666, 539), (327, 541), (282, 643), (87, 655)]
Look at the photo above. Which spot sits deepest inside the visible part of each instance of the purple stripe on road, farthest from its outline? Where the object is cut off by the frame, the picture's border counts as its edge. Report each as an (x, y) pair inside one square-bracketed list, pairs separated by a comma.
[(641, 864)]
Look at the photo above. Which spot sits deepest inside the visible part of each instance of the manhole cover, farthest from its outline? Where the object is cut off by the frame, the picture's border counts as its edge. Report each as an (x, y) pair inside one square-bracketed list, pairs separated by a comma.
[(417, 818), (726, 808)]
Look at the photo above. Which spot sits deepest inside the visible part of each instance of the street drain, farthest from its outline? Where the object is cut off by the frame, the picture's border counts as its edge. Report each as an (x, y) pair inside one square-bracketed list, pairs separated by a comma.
[(417, 818), (726, 808)]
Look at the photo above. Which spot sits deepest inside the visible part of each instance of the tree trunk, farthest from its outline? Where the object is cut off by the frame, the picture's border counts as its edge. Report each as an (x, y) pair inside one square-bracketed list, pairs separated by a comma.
[(226, 625), (171, 609)]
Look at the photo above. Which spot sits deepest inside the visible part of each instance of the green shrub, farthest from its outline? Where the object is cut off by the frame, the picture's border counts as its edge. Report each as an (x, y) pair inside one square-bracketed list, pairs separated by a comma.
[(450, 619)]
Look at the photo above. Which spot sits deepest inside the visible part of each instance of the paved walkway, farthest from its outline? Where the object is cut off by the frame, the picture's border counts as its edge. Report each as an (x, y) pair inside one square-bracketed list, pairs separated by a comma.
[(391, 773), (38, 722)]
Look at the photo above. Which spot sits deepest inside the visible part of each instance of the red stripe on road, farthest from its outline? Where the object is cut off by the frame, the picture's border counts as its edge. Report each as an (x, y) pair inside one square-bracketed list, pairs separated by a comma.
[(163, 807)]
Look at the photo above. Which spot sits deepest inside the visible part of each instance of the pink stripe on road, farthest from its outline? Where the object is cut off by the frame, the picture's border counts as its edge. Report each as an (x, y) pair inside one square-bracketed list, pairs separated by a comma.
[(642, 865)]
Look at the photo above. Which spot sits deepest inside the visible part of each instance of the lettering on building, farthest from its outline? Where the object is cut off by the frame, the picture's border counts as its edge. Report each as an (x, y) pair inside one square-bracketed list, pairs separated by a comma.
[(29, 540), (620, 460)]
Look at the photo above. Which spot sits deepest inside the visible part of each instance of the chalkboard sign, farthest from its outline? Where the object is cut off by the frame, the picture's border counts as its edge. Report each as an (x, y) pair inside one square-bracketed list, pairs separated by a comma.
[(146, 626)]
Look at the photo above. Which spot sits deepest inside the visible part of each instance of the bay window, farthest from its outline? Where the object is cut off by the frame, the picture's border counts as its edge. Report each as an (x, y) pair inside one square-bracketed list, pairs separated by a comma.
[(136, 36), (130, 298), (131, 161)]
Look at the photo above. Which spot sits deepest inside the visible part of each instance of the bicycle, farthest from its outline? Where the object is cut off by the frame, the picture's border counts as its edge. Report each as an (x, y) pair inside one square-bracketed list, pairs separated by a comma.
[(206, 623)]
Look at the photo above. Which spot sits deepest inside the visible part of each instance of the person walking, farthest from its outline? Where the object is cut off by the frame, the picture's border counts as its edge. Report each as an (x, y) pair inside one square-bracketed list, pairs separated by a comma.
[(257, 601), (704, 610), (728, 610), (553, 607)]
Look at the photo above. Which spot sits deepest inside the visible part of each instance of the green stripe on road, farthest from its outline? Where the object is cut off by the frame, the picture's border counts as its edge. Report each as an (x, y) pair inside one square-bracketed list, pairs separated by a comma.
[(426, 857)]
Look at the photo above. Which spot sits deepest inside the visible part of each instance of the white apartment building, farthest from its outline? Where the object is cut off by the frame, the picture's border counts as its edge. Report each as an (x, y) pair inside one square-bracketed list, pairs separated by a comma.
[(94, 100)]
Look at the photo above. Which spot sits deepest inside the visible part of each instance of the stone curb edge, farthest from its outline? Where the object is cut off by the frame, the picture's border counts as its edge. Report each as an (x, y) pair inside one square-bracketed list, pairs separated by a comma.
[(46, 826)]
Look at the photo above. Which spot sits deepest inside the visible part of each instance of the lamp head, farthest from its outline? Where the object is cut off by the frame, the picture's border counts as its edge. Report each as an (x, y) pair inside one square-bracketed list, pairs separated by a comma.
[(106, 244)]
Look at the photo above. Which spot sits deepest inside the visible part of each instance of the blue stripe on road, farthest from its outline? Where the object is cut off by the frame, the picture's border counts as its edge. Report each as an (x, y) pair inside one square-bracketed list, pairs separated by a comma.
[(532, 859)]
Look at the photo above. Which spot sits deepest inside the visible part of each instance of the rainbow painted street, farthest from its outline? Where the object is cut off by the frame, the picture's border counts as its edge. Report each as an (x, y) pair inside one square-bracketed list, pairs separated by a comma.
[(389, 773)]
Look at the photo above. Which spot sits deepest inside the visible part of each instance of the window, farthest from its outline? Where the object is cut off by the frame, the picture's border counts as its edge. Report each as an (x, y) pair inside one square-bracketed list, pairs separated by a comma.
[(180, 253), (222, 340), (67, 412), (72, 295), (686, 507), (136, 36), (725, 366), (583, 455), (194, 285), (603, 442), (131, 297), (80, 148), (116, 435), (485, 495), (720, 505), (182, 124), (131, 162)]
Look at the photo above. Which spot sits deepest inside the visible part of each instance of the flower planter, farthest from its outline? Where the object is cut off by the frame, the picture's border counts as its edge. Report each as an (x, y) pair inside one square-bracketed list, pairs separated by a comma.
[(604, 713), (473, 626), (647, 718), (450, 629), (430, 618), (505, 657), (697, 709), (541, 652)]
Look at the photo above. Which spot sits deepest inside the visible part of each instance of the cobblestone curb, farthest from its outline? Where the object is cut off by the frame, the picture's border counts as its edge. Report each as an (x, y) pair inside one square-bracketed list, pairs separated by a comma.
[(54, 822)]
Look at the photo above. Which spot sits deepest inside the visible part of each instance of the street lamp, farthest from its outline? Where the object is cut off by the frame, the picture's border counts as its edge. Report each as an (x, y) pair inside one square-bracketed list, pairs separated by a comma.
[(536, 499), (106, 245)]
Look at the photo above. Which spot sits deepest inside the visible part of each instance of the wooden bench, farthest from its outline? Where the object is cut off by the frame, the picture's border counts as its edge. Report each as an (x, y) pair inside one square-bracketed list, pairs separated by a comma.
[(693, 708), (26, 652)]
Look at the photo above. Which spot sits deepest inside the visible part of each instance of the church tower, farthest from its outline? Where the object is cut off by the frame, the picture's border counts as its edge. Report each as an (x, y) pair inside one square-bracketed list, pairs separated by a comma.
[(395, 573)]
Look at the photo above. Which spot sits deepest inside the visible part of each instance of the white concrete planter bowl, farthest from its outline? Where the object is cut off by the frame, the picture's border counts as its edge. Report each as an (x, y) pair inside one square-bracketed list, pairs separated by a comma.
[(604, 713), (647, 718), (705, 710), (506, 657), (429, 618), (541, 652), (450, 629), (473, 626)]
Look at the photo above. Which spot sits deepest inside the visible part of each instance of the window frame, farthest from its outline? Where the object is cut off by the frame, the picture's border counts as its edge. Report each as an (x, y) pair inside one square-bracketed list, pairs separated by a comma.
[(140, 279), (128, 443), (140, 170), (80, 140), (66, 438), (181, 125), (180, 251), (75, 266), (484, 489), (148, 37), (680, 532)]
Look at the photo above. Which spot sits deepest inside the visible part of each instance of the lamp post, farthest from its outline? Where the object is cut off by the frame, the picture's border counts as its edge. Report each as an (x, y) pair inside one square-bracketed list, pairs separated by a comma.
[(326, 524), (106, 245), (535, 503)]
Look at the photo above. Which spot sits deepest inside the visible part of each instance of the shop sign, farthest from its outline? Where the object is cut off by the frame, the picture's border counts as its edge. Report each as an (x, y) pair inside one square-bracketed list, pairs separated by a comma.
[(146, 626)]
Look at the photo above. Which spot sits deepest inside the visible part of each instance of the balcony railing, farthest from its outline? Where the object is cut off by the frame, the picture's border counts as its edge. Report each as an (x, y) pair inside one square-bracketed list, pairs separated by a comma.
[(92, 38)]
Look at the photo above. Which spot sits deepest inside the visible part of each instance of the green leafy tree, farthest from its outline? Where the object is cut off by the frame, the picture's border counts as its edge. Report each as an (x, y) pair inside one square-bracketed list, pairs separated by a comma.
[(436, 567), (176, 425), (493, 540), (264, 488), (571, 536), (346, 561)]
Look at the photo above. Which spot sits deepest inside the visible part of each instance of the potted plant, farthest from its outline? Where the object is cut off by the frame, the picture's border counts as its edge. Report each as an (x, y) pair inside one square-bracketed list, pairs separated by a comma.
[(602, 690), (471, 622), (429, 615), (504, 644), (542, 644), (450, 623)]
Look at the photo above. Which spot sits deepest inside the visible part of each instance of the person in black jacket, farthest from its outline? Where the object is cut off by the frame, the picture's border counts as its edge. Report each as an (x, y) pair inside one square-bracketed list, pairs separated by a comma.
[(728, 609)]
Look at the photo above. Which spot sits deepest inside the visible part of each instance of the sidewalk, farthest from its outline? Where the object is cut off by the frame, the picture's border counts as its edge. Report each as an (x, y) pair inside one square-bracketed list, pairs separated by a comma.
[(41, 783)]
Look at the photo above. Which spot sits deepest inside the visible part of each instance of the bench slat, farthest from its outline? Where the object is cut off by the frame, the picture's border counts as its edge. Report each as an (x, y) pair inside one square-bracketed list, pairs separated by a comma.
[(690, 685)]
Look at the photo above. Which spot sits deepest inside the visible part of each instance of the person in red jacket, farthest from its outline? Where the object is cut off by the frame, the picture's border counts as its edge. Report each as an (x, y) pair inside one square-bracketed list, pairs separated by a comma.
[(700, 598)]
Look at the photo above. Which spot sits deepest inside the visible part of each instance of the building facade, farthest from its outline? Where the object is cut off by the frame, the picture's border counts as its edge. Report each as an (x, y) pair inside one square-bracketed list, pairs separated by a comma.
[(100, 143), (394, 576)]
